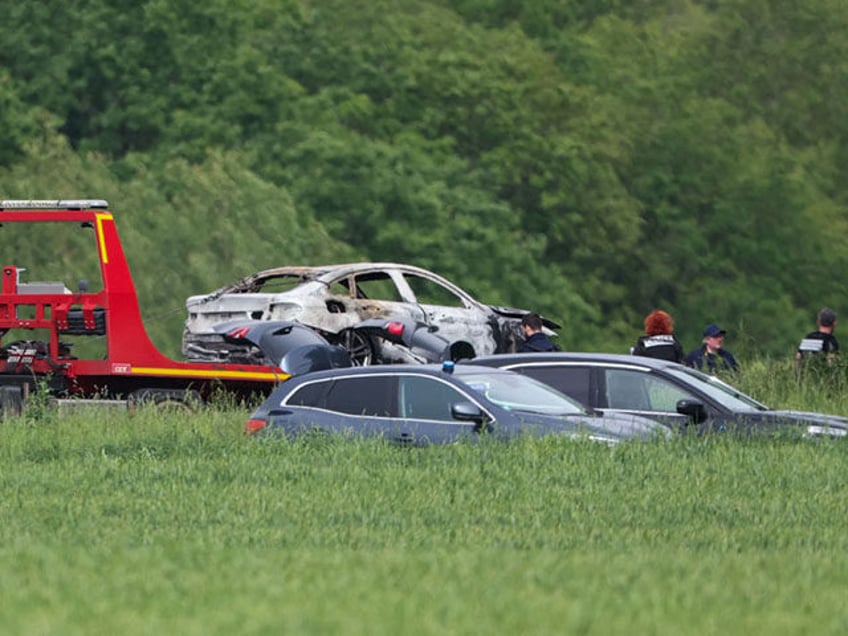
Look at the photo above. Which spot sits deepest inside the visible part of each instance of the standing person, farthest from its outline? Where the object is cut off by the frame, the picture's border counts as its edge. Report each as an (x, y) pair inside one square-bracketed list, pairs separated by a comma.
[(711, 356), (659, 340), (822, 339), (534, 338)]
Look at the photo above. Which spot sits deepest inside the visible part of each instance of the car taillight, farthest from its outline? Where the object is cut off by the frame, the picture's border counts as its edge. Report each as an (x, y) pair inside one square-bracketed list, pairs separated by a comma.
[(254, 426), (395, 328), (239, 332)]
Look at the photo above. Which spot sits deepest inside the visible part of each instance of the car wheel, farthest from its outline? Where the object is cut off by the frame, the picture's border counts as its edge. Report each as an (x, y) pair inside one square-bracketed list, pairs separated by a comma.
[(359, 346)]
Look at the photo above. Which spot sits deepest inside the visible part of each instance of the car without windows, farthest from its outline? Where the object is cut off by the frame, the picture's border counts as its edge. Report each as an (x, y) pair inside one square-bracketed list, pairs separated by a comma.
[(681, 397), (429, 403), (334, 299)]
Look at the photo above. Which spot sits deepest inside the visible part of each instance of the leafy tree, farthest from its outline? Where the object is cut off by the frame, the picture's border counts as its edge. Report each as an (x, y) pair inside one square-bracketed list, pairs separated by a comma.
[(17, 122), (588, 160), (186, 229)]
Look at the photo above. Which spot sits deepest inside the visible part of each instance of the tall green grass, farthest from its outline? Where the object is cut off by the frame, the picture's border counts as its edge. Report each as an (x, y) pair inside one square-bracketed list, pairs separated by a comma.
[(150, 523), (782, 383)]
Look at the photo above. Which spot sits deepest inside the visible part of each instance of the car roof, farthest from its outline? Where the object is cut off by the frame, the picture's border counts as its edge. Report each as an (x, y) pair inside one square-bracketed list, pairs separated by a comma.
[(322, 272), (397, 369), (506, 359)]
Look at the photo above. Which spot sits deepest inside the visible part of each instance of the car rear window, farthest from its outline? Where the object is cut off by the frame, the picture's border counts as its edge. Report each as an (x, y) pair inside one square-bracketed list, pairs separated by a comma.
[(363, 396)]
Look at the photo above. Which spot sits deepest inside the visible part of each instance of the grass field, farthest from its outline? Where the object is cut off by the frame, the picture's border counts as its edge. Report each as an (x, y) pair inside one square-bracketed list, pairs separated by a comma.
[(152, 524)]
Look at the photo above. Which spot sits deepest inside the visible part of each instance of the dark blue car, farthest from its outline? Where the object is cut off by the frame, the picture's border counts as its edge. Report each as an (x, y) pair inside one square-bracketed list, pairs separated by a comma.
[(682, 398), (432, 403)]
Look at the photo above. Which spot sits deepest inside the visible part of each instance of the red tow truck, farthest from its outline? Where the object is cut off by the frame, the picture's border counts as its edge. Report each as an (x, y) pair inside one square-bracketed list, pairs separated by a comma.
[(91, 342)]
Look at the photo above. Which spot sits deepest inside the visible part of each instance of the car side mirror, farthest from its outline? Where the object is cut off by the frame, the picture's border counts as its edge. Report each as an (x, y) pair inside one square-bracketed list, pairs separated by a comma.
[(470, 412), (694, 409), (467, 412)]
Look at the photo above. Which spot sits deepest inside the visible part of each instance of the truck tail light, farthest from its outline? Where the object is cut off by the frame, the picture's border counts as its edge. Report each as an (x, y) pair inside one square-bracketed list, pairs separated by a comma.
[(395, 328)]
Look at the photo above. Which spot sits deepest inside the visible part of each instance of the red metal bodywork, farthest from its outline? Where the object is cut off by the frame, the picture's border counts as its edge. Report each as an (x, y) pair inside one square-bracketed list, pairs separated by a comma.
[(132, 362)]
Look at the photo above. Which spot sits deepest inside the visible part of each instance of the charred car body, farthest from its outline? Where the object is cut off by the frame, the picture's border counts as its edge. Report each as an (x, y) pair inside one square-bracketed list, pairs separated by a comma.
[(339, 300)]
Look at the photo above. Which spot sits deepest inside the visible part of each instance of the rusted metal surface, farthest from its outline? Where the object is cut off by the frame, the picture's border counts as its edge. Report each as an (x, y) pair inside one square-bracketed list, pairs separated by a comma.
[(333, 299)]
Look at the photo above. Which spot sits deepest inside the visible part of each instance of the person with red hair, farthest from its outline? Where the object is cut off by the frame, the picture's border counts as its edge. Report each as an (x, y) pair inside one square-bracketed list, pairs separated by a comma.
[(659, 340)]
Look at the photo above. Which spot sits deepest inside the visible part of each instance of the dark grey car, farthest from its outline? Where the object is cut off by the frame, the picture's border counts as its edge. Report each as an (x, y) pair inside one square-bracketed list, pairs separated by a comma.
[(416, 404), (681, 397)]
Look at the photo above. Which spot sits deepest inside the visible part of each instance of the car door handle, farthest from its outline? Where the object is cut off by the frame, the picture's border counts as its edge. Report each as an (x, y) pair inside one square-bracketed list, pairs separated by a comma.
[(405, 438)]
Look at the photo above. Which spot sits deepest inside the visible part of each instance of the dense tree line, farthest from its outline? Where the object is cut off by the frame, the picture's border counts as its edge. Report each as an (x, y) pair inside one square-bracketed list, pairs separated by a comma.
[(590, 160)]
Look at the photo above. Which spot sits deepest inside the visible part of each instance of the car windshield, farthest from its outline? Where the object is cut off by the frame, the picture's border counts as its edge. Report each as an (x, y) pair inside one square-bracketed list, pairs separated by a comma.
[(721, 392), (518, 392)]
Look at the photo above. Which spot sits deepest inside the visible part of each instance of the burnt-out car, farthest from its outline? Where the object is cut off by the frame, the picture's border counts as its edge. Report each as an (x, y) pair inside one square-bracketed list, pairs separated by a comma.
[(334, 299)]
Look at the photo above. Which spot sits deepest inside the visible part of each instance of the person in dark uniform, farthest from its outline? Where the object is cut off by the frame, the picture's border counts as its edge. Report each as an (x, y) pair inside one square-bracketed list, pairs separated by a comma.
[(534, 338), (711, 355), (659, 340), (822, 339)]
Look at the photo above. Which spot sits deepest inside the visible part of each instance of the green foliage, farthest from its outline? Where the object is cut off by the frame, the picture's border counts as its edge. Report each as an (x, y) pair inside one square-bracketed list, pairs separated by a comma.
[(186, 228), (16, 121), (590, 161)]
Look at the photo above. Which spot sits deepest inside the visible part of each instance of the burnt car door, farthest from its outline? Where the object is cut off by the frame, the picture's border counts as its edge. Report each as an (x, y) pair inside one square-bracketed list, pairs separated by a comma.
[(362, 296), (377, 293), (456, 315)]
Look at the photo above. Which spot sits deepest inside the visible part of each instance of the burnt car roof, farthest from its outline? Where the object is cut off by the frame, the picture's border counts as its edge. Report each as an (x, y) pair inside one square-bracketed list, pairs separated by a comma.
[(327, 272)]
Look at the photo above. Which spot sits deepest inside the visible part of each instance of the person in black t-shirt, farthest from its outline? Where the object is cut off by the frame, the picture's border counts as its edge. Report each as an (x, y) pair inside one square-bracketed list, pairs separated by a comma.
[(659, 340), (822, 340)]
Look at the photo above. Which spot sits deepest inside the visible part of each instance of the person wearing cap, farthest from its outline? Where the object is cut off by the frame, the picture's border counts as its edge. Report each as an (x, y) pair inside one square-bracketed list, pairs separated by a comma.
[(659, 340), (822, 339), (535, 339), (711, 356)]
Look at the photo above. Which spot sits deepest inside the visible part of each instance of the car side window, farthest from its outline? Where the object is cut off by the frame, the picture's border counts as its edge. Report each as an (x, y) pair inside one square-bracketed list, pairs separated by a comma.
[(573, 381), (309, 395), (275, 284), (425, 398), (377, 286), (429, 292), (339, 288), (371, 395), (626, 389)]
